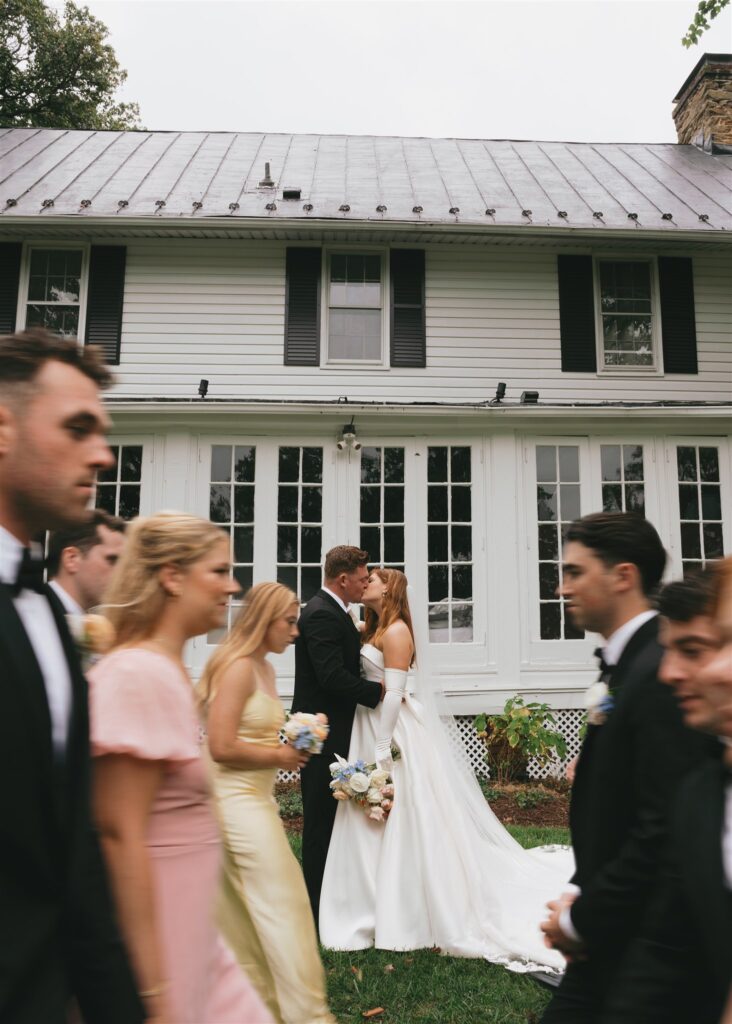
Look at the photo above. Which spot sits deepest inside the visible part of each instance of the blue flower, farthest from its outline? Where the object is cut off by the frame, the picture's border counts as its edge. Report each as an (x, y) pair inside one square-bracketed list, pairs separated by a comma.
[(359, 766)]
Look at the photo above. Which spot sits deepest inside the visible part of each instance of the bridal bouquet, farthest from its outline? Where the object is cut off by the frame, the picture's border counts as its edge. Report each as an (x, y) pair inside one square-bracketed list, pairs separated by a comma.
[(368, 786), (307, 732)]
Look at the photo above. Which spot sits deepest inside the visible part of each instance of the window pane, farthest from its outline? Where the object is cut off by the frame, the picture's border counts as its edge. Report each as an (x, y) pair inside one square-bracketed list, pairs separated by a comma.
[(370, 504), (312, 504), (437, 504), (546, 463), (437, 465), (131, 466), (460, 465), (633, 461), (711, 502), (393, 465), (243, 576), (221, 462), (462, 543), (568, 463), (548, 580), (287, 504), (462, 623), (686, 462), (550, 621), (244, 503), (548, 543), (62, 320), (311, 541), (106, 499), (393, 504), (312, 465), (287, 544), (244, 460), (219, 510), (462, 582), (393, 543), (129, 501), (570, 502), (311, 578), (610, 461), (689, 501), (612, 498), (370, 465), (635, 499), (243, 543), (287, 576), (461, 510), (371, 541), (437, 543), (709, 463), (546, 502), (690, 541), (437, 583), (289, 465), (713, 543), (110, 475), (354, 334)]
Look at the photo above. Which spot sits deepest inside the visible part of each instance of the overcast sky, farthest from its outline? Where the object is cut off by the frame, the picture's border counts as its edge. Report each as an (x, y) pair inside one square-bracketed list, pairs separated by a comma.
[(592, 70)]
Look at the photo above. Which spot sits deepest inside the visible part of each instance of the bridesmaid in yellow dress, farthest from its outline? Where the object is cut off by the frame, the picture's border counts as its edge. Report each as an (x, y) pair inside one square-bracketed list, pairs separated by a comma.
[(263, 911)]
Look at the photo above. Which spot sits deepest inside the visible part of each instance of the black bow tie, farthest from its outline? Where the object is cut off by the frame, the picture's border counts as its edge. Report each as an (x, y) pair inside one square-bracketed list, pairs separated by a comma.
[(605, 669), (30, 571)]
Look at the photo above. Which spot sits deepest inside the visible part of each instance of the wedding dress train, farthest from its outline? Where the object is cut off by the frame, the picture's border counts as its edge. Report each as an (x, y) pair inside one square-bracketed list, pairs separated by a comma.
[(433, 875)]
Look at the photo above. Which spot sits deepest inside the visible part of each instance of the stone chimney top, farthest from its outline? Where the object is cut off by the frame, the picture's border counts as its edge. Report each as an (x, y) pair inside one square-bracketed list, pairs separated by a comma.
[(703, 111)]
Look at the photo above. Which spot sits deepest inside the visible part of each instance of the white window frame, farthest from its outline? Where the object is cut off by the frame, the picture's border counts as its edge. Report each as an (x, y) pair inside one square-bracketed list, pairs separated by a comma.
[(24, 283), (724, 446), (354, 364), (147, 483), (656, 368)]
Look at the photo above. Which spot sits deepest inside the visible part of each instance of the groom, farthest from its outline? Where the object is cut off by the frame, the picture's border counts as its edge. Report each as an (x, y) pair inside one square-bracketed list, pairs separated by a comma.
[(328, 679)]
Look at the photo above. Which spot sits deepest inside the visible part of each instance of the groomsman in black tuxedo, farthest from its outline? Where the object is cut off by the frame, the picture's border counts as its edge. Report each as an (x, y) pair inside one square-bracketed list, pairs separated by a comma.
[(58, 937), (328, 679), (679, 970), (634, 755)]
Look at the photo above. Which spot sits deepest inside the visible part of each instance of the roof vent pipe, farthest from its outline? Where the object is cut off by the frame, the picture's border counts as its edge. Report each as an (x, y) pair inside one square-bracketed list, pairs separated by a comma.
[(266, 181)]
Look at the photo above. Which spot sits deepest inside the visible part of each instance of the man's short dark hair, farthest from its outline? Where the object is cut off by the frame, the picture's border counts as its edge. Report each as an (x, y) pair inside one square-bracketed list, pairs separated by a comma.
[(344, 558), (616, 537), (83, 536), (23, 356), (683, 600)]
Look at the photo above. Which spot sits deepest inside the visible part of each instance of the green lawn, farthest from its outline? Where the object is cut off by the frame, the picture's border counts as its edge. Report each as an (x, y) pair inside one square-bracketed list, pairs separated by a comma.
[(425, 988)]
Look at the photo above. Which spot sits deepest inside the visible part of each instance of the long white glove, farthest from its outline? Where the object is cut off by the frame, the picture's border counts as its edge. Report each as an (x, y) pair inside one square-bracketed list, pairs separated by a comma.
[(395, 681)]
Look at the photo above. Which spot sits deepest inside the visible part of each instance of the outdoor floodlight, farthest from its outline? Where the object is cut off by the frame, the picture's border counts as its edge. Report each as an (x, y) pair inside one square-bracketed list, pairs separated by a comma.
[(529, 397), (203, 388), (348, 438), (500, 393)]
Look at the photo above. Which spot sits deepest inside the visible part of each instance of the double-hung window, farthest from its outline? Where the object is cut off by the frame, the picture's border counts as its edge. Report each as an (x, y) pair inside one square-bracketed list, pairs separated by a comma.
[(355, 301), (627, 313), (53, 296)]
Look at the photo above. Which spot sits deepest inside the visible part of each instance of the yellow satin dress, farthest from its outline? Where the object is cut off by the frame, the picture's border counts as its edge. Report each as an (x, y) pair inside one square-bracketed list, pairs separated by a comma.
[(263, 908)]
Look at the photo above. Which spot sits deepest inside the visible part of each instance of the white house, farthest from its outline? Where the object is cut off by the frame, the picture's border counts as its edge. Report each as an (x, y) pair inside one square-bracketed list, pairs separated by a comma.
[(393, 283)]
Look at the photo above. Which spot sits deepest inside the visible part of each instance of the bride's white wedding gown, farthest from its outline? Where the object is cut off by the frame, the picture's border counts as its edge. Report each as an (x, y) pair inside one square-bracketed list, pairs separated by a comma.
[(429, 876)]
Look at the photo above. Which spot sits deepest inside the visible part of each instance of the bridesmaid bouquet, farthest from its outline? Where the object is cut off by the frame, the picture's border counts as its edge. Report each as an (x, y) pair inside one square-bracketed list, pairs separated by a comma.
[(307, 732), (371, 788), (93, 635)]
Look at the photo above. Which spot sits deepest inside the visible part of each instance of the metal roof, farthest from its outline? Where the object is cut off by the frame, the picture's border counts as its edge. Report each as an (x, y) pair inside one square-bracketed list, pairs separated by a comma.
[(197, 176)]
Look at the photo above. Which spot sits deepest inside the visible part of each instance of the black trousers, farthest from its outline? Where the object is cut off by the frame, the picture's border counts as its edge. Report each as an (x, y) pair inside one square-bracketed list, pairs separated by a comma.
[(581, 996), (319, 811)]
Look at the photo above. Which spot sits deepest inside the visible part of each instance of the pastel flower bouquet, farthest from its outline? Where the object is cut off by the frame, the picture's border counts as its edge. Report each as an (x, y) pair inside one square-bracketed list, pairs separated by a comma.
[(307, 732), (371, 788), (93, 635)]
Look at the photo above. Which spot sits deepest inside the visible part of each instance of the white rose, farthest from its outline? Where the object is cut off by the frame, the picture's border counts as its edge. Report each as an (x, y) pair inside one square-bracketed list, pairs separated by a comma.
[(359, 782), (596, 694), (378, 777), (374, 796), (333, 767)]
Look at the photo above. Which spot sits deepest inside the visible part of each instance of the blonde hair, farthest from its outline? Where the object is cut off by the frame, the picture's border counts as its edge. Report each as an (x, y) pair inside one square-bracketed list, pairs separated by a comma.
[(394, 606), (135, 598), (263, 605)]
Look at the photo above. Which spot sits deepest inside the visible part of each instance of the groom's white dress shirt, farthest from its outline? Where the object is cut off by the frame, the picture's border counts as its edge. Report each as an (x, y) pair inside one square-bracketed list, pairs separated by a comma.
[(335, 597), (40, 626), (611, 652)]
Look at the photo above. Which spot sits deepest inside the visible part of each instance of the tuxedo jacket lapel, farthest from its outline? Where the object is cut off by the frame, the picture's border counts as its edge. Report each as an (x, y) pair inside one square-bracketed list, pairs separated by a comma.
[(25, 677), (648, 631)]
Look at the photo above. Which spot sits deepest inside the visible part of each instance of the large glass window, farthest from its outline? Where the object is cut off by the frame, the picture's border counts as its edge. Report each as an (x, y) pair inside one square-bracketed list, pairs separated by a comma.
[(449, 544), (300, 519), (700, 504), (382, 505), (118, 488), (557, 505), (354, 307), (54, 290), (623, 478), (626, 314)]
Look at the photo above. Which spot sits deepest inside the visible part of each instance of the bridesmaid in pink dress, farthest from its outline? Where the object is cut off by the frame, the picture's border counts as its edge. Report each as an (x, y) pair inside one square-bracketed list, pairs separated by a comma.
[(152, 801)]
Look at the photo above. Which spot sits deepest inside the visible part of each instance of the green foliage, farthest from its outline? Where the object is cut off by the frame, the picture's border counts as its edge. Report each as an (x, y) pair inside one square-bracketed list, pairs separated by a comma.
[(290, 802), (706, 11), (528, 798), (520, 733), (489, 791), (58, 72)]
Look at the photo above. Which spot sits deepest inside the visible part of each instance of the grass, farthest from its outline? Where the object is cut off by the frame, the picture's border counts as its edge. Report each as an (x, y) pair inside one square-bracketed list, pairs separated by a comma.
[(425, 988)]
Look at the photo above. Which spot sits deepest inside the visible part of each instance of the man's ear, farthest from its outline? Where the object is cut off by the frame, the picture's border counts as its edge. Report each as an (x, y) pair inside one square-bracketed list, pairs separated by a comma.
[(171, 580), (627, 576), (8, 428), (71, 560)]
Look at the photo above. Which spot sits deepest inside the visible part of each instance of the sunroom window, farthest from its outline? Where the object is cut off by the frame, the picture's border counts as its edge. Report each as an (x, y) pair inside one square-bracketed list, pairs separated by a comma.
[(54, 290), (626, 312), (355, 307)]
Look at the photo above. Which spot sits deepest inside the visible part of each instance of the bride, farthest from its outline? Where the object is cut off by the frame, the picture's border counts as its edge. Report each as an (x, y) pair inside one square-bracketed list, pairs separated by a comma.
[(441, 871)]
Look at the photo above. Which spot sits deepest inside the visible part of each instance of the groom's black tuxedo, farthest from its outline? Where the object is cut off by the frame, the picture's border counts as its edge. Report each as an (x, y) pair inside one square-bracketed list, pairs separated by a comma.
[(58, 936), (327, 679), (679, 971), (629, 768)]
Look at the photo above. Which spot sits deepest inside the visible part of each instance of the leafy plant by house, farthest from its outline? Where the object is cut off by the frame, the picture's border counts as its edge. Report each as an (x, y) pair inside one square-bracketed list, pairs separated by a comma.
[(522, 732)]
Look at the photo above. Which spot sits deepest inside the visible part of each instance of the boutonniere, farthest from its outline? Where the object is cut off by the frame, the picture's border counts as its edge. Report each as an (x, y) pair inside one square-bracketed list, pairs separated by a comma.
[(93, 634), (599, 701)]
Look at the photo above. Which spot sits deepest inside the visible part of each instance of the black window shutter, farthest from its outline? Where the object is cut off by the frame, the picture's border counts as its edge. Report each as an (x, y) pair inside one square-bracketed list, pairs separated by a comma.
[(302, 308), (9, 281), (408, 336), (678, 320), (577, 314), (105, 298)]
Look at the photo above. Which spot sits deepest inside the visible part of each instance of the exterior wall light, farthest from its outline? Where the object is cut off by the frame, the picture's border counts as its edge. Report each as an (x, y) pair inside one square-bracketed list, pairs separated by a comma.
[(348, 438)]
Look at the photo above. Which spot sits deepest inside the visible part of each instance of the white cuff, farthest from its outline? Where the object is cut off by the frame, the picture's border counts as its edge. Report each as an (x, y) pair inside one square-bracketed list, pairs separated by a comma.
[(566, 925)]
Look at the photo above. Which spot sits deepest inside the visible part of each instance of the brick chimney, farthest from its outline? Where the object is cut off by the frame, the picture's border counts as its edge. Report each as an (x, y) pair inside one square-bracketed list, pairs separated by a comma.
[(703, 111)]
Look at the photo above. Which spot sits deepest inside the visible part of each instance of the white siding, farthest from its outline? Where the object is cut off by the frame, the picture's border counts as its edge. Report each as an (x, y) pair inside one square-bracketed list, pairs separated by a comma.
[(215, 309)]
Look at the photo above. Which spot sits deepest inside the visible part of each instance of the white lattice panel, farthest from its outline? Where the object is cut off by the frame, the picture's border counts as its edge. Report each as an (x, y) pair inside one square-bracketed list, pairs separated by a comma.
[(568, 722)]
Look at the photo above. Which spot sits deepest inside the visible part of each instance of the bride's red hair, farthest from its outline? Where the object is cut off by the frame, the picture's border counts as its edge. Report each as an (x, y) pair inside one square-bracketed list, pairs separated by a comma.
[(394, 607)]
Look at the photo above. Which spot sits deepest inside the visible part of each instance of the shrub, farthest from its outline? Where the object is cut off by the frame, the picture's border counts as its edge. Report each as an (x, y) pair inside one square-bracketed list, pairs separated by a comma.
[(290, 802), (528, 798), (523, 731)]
